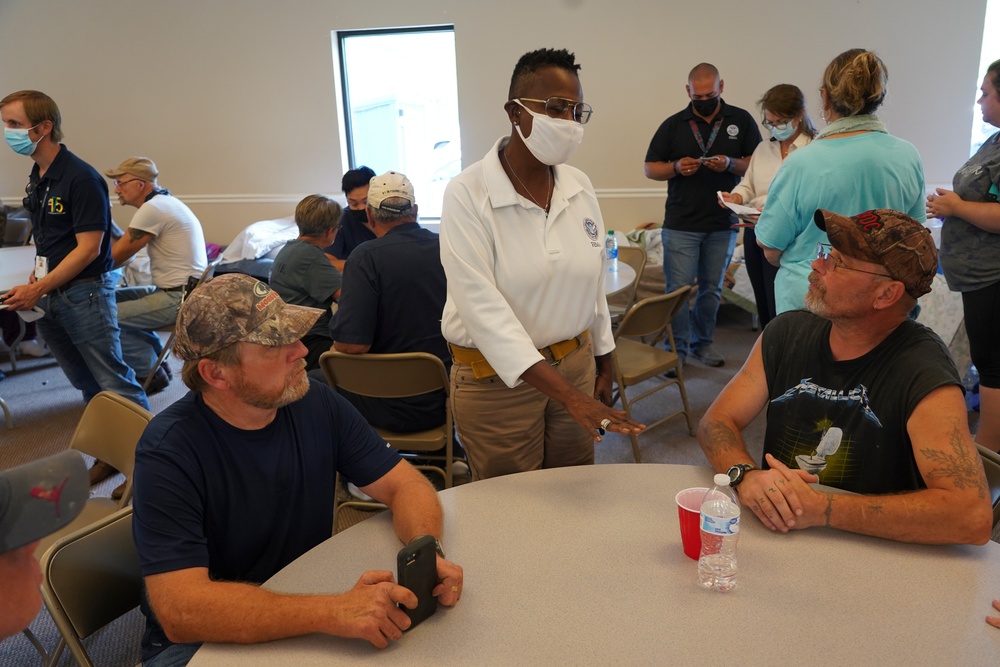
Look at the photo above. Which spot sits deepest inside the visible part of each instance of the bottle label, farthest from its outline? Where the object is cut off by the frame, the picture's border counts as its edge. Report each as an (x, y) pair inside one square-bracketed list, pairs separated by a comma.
[(720, 525)]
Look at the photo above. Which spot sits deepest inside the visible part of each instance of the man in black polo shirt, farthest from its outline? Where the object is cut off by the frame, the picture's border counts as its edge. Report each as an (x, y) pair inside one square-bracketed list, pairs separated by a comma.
[(393, 294), (701, 150), (71, 223)]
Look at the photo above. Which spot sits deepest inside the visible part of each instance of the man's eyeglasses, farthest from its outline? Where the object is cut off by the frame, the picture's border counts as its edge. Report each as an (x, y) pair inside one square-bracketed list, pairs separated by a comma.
[(118, 183), (823, 252), (558, 107)]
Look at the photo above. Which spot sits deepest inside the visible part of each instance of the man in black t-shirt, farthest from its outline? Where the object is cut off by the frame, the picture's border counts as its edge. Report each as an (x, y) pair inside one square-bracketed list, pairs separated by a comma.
[(699, 151), (858, 397)]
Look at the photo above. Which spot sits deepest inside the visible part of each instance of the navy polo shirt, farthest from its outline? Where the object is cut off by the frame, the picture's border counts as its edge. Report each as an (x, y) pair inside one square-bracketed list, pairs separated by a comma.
[(72, 198), (692, 203), (350, 235), (393, 294)]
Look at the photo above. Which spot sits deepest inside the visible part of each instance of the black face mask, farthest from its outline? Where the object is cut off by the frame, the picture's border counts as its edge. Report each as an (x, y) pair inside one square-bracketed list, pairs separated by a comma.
[(706, 107), (360, 217)]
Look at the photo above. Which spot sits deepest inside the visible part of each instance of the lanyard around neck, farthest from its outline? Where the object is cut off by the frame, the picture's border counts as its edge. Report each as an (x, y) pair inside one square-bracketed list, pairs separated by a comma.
[(711, 137)]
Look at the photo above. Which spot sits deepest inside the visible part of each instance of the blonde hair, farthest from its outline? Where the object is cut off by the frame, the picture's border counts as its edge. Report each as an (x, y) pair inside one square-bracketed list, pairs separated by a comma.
[(38, 107), (855, 82)]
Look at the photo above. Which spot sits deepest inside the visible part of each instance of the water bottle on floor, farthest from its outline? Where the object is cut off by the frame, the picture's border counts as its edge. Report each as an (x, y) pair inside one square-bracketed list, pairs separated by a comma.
[(611, 250), (720, 530)]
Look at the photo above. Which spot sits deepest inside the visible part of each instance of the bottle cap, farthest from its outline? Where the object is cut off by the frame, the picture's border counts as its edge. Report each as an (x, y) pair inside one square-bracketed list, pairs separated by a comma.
[(721, 479)]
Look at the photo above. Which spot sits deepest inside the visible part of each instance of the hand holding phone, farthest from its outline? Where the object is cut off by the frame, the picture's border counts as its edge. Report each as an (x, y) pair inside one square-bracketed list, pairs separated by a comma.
[(416, 566)]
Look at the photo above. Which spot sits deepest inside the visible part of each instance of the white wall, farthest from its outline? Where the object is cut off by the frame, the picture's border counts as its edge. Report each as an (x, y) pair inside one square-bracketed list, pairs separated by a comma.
[(235, 101)]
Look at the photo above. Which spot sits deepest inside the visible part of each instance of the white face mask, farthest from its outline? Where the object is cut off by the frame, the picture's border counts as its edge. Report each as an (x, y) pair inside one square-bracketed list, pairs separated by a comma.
[(552, 140)]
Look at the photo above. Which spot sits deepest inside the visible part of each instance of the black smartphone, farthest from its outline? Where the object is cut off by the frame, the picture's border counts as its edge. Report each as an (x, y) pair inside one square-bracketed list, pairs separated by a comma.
[(416, 566)]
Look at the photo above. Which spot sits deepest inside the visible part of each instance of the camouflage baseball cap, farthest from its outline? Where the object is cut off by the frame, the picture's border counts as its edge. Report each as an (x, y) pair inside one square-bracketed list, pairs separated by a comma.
[(233, 308), (882, 236)]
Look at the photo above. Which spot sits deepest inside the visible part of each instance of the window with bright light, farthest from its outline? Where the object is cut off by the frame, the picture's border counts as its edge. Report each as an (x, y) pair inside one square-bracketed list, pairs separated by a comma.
[(981, 130), (400, 98)]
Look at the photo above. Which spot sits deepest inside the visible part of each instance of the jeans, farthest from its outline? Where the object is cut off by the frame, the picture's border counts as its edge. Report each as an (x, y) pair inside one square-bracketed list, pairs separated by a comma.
[(81, 329), (175, 655), (701, 255), (140, 310)]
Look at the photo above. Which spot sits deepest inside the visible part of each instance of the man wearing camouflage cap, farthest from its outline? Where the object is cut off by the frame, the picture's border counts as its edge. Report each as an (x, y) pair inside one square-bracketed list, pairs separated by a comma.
[(237, 481), (858, 397)]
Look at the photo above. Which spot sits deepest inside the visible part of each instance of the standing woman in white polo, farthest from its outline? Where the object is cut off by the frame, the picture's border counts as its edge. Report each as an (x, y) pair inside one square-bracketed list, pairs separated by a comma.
[(522, 244)]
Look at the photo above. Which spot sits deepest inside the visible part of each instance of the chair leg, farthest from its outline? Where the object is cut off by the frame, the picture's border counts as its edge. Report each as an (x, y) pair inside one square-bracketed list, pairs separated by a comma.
[(159, 360), (30, 636), (6, 414), (626, 408), (684, 399)]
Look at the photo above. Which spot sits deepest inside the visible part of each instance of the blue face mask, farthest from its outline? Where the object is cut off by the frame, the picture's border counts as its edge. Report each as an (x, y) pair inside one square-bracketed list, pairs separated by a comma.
[(18, 140), (782, 133)]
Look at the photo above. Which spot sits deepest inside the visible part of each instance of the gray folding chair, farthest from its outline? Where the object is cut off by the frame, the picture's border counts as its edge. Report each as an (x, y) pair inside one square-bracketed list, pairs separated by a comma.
[(991, 463)]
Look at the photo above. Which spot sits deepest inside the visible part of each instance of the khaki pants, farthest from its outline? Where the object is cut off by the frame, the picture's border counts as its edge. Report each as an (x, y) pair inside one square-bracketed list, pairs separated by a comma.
[(506, 430)]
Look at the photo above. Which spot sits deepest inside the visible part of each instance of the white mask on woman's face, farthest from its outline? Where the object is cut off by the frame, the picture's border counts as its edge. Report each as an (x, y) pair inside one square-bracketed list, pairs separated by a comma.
[(552, 140)]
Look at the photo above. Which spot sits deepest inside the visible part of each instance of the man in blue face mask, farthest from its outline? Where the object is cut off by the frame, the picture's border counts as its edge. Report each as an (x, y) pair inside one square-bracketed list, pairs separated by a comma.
[(71, 226), (703, 149), (354, 226)]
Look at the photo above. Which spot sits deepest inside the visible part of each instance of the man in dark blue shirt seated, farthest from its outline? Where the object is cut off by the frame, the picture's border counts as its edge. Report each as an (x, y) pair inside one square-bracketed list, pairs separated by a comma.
[(355, 228), (394, 292), (236, 480)]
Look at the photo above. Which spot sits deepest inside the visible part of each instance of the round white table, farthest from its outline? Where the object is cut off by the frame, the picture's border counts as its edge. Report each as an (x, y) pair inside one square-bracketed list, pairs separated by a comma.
[(584, 566), (620, 280), (15, 265)]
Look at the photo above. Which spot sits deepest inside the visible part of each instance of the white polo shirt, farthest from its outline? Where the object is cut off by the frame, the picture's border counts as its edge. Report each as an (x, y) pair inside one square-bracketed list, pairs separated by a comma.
[(518, 279)]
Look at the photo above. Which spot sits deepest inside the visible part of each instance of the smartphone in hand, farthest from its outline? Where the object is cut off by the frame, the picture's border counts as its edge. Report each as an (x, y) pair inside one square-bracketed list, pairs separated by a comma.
[(416, 566)]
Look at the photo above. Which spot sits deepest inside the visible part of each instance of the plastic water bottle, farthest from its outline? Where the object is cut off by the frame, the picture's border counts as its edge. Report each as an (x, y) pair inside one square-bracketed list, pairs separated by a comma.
[(611, 250), (720, 530)]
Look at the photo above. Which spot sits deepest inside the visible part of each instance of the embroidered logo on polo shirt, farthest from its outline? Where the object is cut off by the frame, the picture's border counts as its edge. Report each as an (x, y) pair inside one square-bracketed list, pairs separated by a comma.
[(732, 130), (590, 227)]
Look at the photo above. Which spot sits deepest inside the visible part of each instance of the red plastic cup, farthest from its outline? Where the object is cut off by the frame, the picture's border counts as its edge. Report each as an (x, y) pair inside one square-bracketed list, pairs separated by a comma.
[(689, 513)]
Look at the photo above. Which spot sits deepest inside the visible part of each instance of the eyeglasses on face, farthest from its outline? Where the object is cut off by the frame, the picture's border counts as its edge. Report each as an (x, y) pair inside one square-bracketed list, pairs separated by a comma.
[(118, 183), (559, 107), (776, 126), (823, 252), (30, 202)]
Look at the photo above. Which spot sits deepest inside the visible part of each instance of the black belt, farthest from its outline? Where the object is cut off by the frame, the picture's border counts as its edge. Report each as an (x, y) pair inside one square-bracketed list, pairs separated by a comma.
[(171, 289), (79, 281)]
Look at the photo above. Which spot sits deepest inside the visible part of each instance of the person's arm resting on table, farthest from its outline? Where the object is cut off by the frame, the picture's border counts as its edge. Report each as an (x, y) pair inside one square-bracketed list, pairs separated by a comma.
[(192, 607), (953, 509)]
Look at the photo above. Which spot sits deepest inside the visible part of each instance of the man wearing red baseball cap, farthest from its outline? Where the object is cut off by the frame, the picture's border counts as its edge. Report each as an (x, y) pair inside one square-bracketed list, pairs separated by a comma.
[(858, 397)]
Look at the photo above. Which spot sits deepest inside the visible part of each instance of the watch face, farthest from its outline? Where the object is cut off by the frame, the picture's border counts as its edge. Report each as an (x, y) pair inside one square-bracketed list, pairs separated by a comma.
[(735, 474)]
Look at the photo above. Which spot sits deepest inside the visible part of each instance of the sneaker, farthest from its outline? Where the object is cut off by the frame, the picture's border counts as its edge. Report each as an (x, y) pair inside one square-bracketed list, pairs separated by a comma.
[(672, 373), (165, 366), (460, 469), (160, 382), (33, 348), (708, 356), (100, 471)]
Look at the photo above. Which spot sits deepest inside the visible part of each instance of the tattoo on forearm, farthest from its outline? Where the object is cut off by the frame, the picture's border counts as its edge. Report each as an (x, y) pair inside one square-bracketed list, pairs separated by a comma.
[(829, 508), (719, 438), (965, 470), (136, 234)]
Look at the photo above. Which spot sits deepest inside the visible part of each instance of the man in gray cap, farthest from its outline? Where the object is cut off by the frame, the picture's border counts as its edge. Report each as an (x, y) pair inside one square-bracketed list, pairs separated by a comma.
[(36, 500), (858, 397), (236, 480), (175, 243), (394, 293)]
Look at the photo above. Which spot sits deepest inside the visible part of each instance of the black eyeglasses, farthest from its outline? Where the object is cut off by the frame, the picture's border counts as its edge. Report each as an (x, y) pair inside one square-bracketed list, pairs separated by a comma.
[(558, 107), (30, 202), (823, 252)]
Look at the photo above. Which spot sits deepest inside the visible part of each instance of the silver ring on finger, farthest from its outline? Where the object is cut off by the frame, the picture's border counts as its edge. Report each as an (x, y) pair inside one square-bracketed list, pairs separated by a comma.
[(605, 423)]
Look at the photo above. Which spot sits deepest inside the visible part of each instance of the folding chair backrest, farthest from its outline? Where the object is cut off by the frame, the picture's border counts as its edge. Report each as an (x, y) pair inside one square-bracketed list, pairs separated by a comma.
[(991, 462), (635, 257), (109, 430), (651, 316), (90, 578), (385, 375)]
